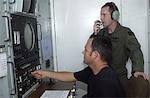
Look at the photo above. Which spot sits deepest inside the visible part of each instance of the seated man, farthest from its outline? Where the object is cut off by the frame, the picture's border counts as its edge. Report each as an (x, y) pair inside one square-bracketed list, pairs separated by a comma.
[(101, 79)]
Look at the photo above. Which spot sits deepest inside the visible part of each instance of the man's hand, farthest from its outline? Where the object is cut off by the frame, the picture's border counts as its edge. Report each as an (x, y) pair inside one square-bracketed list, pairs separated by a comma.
[(39, 74), (137, 74), (96, 26)]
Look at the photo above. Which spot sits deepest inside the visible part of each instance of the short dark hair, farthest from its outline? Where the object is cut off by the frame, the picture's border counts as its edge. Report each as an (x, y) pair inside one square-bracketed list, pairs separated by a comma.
[(103, 46), (112, 7)]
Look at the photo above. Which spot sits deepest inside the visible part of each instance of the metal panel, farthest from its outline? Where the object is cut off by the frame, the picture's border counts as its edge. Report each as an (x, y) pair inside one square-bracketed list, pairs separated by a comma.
[(26, 51)]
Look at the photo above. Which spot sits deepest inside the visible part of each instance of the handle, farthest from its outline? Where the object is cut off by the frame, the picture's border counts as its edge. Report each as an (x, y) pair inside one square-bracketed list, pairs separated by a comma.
[(11, 78), (7, 28), (40, 27)]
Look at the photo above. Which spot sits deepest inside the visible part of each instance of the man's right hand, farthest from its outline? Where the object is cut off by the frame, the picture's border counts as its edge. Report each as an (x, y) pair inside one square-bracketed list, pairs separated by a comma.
[(96, 26), (39, 74)]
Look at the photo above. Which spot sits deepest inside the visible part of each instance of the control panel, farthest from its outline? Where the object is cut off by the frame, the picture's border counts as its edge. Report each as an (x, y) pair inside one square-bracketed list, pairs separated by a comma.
[(26, 52)]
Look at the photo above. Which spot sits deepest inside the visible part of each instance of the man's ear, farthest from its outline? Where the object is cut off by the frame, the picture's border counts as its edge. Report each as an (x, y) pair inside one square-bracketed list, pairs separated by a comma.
[(95, 54)]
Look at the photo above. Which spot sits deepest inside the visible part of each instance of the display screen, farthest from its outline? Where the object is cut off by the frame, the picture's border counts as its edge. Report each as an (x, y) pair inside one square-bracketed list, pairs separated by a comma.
[(29, 6), (29, 36), (26, 5)]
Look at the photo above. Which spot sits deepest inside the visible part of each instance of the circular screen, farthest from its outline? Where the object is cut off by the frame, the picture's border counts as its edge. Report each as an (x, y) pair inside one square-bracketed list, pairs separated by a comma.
[(29, 36), (26, 5)]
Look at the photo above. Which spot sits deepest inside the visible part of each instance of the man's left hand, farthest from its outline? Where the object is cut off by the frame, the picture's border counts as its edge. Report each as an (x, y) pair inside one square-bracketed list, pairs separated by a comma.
[(137, 74)]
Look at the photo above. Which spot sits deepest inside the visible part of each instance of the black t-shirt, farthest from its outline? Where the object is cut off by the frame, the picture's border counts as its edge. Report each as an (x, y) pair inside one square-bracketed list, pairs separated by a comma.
[(105, 84)]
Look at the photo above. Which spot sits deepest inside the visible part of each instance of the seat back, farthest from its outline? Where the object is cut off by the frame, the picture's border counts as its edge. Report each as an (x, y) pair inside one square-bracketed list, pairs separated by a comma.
[(138, 88)]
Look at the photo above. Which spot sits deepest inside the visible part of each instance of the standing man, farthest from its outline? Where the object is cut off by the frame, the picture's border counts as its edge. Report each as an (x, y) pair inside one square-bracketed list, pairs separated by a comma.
[(101, 79), (125, 45)]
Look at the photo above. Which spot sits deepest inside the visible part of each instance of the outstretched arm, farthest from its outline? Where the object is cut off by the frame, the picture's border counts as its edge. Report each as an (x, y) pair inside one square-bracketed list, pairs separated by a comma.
[(61, 76)]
